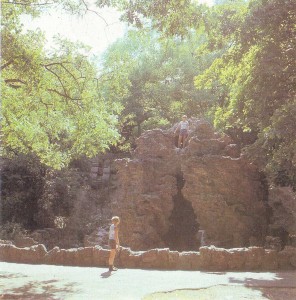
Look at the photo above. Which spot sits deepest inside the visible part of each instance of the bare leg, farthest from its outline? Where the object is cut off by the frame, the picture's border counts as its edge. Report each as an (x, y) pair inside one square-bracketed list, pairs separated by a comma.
[(112, 257), (179, 141), (184, 141)]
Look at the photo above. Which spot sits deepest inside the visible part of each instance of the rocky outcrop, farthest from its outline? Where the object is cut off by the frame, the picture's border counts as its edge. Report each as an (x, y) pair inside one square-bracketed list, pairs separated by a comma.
[(164, 195), (228, 199), (208, 258)]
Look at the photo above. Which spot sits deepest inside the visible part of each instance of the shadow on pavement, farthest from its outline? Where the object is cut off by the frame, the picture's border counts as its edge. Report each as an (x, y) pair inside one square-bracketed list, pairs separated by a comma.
[(280, 280), (49, 289), (106, 274), (6, 275), (281, 287)]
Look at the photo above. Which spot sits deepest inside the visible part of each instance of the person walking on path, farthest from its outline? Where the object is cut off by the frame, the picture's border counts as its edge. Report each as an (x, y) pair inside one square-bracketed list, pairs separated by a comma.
[(182, 128), (113, 241)]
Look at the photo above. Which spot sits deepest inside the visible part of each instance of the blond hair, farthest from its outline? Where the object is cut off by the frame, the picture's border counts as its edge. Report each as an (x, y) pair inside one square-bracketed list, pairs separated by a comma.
[(115, 219)]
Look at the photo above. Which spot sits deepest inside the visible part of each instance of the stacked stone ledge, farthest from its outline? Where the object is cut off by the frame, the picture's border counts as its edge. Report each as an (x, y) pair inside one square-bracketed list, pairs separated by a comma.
[(207, 259)]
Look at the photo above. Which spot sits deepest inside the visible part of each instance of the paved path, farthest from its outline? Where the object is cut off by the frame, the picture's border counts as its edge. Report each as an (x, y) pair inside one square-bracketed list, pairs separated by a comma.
[(20, 281)]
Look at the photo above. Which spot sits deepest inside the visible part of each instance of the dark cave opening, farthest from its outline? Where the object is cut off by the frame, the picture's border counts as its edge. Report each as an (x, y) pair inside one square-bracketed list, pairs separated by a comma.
[(182, 234)]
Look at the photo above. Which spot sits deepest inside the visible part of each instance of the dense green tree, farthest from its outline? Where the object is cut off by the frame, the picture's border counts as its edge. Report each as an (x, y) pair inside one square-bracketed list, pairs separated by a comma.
[(253, 80), (161, 79), (258, 73), (53, 103), (171, 17), (22, 183)]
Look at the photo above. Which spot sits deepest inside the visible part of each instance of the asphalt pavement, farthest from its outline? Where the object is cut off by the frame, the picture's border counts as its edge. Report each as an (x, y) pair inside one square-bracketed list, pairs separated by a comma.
[(21, 281)]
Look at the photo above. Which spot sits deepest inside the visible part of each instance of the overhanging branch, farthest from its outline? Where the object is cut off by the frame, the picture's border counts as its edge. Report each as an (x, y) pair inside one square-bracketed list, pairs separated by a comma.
[(64, 95), (7, 64)]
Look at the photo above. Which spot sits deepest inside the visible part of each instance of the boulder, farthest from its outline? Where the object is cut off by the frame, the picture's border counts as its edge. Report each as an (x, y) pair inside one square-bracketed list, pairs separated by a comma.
[(221, 191), (144, 201), (227, 198), (197, 147), (232, 150), (23, 241), (155, 143)]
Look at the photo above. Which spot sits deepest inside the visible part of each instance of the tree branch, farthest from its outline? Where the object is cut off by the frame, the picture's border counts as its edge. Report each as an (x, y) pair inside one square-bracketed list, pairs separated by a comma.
[(14, 81), (6, 64), (87, 9), (59, 79), (55, 63), (72, 75), (27, 4), (64, 95), (62, 65), (75, 79)]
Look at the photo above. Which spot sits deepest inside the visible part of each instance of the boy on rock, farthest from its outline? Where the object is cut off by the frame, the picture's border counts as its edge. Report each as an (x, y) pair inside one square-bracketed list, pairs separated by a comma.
[(183, 129)]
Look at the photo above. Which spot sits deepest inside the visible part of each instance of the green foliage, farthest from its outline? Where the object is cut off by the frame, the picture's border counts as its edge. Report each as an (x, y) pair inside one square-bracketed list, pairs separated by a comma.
[(22, 184), (60, 194), (53, 103), (256, 72), (239, 54), (252, 75), (161, 74), (174, 17), (9, 231), (35, 196)]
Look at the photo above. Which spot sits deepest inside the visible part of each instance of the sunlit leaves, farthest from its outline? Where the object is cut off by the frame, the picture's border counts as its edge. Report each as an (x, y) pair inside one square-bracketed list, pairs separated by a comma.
[(53, 103), (257, 75)]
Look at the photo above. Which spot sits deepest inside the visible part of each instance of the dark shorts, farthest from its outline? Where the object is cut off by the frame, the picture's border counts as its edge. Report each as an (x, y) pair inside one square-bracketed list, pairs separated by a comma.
[(184, 132), (112, 244)]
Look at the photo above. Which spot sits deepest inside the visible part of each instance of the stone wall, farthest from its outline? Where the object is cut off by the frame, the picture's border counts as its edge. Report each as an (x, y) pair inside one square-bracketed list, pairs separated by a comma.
[(208, 258), (164, 195)]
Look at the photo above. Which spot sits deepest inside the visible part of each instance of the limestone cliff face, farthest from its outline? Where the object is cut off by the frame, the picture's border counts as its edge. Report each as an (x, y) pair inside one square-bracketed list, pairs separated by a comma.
[(164, 195)]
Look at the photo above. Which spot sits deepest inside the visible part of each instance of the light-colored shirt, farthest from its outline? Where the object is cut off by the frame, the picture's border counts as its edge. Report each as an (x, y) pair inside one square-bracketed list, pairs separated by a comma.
[(184, 125), (112, 232)]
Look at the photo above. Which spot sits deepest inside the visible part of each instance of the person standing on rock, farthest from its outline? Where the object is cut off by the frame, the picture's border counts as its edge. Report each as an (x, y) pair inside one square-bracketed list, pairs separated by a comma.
[(113, 241), (183, 129)]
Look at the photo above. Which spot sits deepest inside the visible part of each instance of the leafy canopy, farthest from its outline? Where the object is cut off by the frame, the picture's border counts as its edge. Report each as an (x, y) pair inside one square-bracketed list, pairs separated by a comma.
[(161, 79), (258, 74), (253, 79), (53, 103)]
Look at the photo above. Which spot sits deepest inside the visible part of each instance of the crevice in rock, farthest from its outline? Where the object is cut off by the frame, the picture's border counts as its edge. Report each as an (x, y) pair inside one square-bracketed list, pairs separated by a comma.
[(182, 234)]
